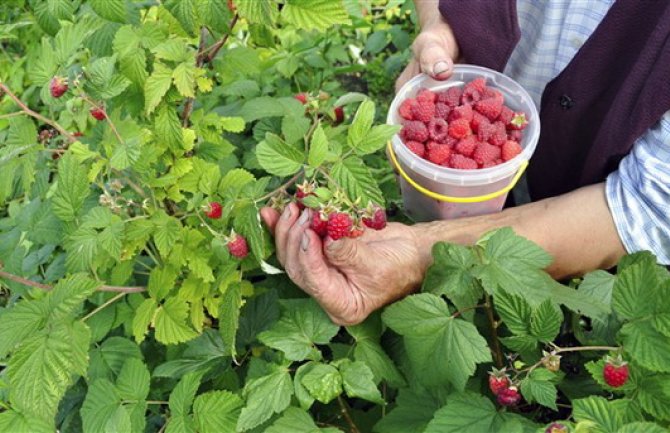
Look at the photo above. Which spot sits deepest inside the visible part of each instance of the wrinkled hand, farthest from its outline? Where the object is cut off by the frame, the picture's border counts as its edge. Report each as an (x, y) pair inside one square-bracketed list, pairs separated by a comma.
[(349, 278), (435, 51)]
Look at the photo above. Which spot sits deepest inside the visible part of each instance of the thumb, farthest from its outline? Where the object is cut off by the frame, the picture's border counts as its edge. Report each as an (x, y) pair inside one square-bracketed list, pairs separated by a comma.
[(347, 252), (435, 60)]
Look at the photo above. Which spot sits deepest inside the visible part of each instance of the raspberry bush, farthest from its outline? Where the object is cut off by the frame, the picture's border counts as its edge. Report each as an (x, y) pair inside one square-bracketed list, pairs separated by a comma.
[(140, 293)]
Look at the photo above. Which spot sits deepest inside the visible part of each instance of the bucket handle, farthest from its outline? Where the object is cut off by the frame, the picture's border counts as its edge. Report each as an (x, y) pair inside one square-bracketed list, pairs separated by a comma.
[(446, 198)]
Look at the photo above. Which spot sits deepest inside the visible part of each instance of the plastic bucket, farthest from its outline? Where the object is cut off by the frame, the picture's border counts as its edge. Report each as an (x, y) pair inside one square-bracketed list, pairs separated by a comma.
[(433, 192)]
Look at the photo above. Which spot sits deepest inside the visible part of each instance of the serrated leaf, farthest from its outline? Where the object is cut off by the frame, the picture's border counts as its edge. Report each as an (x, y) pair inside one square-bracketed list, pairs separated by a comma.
[(355, 178), (161, 281), (536, 388), (638, 427), (72, 188), (634, 292), (229, 316), (376, 138), (520, 343), (265, 106), (232, 183), (16, 422), (184, 78), (185, 12), (294, 420), (257, 11), (597, 410), (358, 381), (412, 413), (266, 396), (232, 124), (113, 10), (156, 87), (646, 345), (440, 347), (654, 396), (103, 81), (171, 324), (301, 393), (294, 128), (303, 324), (133, 380), (514, 311), (17, 323), (217, 412), (247, 223), (181, 398), (318, 148), (144, 315), (451, 275), (323, 382), (278, 157), (167, 126), (360, 126), (467, 413), (100, 405), (315, 14), (545, 322)]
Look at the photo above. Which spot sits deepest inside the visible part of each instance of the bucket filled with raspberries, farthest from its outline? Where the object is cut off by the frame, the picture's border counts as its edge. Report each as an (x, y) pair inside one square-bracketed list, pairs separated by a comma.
[(464, 142)]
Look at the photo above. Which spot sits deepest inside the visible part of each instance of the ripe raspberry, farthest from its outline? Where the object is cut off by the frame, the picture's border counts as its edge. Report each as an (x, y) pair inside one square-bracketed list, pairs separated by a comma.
[(423, 111), (510, 149), (460, 128), (485, 153), (514, 135), (405, 109), (339, 115), (491, 163), (477, 119), (302, 97), (509, 396), (615, 372), (339, 225), (506, 115), (461, 112), (451, 97), (426, 95), (518, 122), (490, 92), (466, 146), (319, 224), (473, 91), (498, 134), (490, 107), (485, 130), (416, 147), (442, 110), (238, 247), (213, 210), (478, 84), (438, 129), (414, 130), (461, 162), (58, 86), (98, 113), (498, 380), (556, 428), (439, 154), (377, 221)]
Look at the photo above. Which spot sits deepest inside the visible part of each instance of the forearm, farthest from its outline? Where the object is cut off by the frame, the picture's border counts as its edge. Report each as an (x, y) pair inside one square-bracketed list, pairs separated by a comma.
[(428, 13), (577, 229)]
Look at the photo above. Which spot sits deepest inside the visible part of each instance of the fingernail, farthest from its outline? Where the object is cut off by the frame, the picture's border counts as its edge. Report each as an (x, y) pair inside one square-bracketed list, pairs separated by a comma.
[(304, 242), (287, 213), (303, 217), (440, 67)]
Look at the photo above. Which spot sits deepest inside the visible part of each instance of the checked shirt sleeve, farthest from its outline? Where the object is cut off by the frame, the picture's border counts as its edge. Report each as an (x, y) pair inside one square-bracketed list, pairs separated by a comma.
[(638, 193)]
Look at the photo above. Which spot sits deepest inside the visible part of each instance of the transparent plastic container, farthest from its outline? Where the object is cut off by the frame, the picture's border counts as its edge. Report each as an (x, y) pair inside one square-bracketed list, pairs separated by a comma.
[(451, 184)]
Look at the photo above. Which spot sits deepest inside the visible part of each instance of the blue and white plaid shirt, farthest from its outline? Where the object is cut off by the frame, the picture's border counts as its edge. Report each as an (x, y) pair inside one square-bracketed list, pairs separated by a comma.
[(638, 193)]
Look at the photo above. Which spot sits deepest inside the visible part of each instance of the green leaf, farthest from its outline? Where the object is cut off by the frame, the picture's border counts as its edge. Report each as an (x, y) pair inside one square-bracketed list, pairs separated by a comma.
[(103, 81), (232, 124), (303, 324), (16, 422), (381, 365), (144, 315), (294, 128), (654, 396), (638, 427), (358, 381), (167, 127), (132, 57), (181, 398), (247, 223), (257, 11), (112, 10), (597, 410), (266, 396), (412, 413), (184, 78), (538, 388), (71, 190), (265, 106), (323, 382), (100, 406), (467, 413), (635, 291), (646, 345), (315, 14), (161, 281), (185, 12), (171, 322), (318, 148), (520, 343), (376, 138), (295, 420), (156, 87), (217, 411), (514, 311), (17, 323), (133, 380), (277, 157), (440, 347), (545, 321), (360, 126), (232, 183), (451, 275), (229, 316), (354, 176)]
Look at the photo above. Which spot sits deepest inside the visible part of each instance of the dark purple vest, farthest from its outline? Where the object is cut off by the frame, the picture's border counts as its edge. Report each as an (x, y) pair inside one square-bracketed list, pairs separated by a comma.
[(615, 88)]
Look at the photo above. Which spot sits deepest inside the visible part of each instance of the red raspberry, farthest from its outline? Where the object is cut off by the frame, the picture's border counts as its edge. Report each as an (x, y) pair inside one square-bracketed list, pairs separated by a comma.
[(426, 95), (98, 113), (498, 380), (416, 147), (615, 372), (477, 119), (238, 247), (405, 109), (339, 225), (414, 130), (451, 141), (509, 396), (442, 110), (490, 108), (478, 84), (439, 154), (518, 122), (77, 134), (466, 146), (58, 86), (485, 130), (510, 149), (506, 115), (472, 92), (302, 97), (491, 163), (493, 93), (498, 134), (339, 115), (213, 210), (556, 428), (319, 224), (377, 221), (423, 111), (451, 97), (438, 129), (461, 162), (486, 153), (460, 128), (515, 135), (462, 112)]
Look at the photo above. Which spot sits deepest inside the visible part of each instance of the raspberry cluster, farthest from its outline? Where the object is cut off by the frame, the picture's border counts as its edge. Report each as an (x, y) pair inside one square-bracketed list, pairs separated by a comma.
[(467, 127)]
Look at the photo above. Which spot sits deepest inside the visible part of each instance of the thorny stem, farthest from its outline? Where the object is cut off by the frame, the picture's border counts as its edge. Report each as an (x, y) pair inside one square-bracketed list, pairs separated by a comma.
[(103, 306), (103, 288), (346, 415), (497, 350)]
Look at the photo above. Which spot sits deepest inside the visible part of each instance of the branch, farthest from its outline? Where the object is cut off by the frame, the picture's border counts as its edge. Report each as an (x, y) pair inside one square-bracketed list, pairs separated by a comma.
[(497, 350), (71, 138), (283, 187), (214, 49), (103, 288), (345, 413), (103, 306)]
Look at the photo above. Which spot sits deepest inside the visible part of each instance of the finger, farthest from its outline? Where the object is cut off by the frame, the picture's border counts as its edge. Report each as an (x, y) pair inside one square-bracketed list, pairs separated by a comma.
[(435, 60), (407, 74), (310, 256), (270, 218), (348, 253), (292, 264), (284, 224)]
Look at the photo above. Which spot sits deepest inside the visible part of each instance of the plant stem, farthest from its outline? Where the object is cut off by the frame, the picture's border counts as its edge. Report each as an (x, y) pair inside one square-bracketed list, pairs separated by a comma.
[(214, 49), (103, 306), (465, 310), (497, 350), (346, 415), (103, 288), (10, 115), (283, 187), (585, 348)]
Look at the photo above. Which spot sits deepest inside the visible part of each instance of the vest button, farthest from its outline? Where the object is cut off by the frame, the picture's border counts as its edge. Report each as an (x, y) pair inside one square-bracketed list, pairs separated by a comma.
[(566, 102)]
